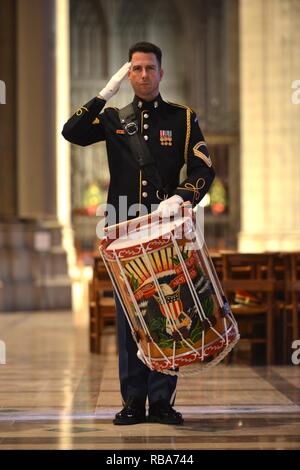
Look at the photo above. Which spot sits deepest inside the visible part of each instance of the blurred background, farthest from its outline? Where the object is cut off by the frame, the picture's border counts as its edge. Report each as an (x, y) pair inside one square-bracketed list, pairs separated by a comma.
[(235, 62)]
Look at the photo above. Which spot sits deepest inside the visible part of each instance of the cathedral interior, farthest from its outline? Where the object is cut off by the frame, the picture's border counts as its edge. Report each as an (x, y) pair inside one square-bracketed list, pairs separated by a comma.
[(236, 64)]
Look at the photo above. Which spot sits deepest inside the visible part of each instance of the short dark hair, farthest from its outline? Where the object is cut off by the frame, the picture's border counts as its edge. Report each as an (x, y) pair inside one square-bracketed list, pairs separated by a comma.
[(146, 47)]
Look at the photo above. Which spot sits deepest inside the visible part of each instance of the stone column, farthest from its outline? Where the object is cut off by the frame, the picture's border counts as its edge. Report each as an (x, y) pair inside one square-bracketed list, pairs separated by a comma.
[(269, 123), (34, 269), (8, 193)]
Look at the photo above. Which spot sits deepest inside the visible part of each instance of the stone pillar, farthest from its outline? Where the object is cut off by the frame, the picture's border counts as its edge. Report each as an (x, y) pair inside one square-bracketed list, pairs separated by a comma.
[(34, 269), (8, 193), (269, 123)]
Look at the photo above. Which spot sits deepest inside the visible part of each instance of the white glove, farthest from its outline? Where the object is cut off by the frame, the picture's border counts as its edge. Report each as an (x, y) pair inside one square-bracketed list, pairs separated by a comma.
[(114, 83), (170, 206)]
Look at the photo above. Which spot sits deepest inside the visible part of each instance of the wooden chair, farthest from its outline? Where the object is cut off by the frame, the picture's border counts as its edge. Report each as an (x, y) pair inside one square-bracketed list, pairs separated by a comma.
[(102, 305), (253, 274), (291, 308), (281, 275)]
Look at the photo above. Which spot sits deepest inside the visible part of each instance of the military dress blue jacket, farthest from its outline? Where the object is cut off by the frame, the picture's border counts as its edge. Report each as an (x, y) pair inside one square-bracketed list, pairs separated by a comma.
[(174, 138)]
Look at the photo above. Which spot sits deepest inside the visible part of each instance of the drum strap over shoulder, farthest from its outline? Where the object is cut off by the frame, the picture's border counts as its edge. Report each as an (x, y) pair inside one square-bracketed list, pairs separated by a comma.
[(140, 150)]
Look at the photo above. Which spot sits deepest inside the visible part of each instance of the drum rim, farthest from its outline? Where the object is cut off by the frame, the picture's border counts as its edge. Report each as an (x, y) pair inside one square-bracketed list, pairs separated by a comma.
[(150, 245), (158, 362)]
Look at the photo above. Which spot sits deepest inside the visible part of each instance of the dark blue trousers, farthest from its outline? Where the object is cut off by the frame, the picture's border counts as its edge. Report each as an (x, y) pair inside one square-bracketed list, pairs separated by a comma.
[(136, 379)]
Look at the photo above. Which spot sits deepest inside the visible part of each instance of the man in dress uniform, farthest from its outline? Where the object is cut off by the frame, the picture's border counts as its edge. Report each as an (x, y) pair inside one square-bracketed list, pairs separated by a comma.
[(173, 137)]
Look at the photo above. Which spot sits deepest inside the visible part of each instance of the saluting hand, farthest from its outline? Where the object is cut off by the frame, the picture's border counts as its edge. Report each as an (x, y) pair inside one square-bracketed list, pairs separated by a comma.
[(114, 83)]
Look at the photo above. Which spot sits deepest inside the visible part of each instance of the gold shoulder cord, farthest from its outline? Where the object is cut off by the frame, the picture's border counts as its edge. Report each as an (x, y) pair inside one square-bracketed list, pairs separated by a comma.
[(179, 105), (188, 127), (188, 134)]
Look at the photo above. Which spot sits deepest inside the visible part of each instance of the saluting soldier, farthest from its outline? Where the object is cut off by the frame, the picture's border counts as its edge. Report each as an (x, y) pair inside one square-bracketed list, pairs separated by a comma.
[(171, 137)]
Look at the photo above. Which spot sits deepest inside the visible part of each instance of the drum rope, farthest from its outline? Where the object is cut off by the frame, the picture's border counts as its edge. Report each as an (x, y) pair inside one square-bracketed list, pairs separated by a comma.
[(212, 273), (213, 276), (164, 302), (225, 328), (140, 315), (174, 353), (189, 281), (159, 291), (192, 289), (201, 243), (124, 309), (195, 369), (117, 292)]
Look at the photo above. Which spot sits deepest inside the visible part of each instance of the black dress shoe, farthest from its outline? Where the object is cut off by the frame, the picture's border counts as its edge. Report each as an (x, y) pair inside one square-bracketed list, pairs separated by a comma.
[(132, 413), (162, 412)]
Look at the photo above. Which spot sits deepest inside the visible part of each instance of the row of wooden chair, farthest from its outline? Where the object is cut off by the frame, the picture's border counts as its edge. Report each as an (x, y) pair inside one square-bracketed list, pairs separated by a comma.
[(289, 306), (249, 285), (263, 289), (101, 304), (268, 310)]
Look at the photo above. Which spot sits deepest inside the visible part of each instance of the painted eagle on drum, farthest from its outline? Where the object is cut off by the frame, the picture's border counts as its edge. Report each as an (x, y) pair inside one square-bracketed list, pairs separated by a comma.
[(172, 308), (165, 302)]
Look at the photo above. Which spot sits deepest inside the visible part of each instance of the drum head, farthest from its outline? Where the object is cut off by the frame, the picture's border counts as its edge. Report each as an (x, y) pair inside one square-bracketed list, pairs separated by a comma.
[(137, 235)]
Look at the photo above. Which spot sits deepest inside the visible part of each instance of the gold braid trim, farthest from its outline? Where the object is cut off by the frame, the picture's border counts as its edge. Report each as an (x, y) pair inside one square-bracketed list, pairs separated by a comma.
[(200, 183), (188, 134), (79, 112), (188, 127), (179, 105)]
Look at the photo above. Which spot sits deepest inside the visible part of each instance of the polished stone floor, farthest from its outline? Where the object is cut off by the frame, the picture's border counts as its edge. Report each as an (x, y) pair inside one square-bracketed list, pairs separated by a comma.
[(54, 394)]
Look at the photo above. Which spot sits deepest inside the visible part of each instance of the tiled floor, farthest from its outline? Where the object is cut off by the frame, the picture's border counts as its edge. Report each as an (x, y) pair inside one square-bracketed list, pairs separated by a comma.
[(55, 395)]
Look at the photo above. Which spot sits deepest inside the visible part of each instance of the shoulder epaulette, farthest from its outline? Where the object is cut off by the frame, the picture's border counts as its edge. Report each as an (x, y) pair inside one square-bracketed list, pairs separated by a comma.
[(180, 106), (112, 107)]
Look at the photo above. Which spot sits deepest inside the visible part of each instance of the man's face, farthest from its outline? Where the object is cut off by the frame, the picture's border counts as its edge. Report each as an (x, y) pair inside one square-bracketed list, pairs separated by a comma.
[(145, 75)]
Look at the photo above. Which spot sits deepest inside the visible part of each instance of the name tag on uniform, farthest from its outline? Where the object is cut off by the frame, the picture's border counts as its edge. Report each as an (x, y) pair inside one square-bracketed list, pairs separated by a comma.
[(165, 137)]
